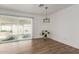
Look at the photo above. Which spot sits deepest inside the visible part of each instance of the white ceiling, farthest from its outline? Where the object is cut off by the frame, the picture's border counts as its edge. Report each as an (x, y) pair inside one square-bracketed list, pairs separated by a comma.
[(33, 8)]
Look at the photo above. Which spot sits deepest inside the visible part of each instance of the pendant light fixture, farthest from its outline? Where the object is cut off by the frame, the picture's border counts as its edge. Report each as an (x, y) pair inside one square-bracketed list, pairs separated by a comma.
[(46, 19)]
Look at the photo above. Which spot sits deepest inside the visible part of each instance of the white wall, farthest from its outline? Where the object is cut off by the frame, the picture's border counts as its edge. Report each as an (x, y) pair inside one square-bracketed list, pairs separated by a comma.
[(65, 26), (38, 25)]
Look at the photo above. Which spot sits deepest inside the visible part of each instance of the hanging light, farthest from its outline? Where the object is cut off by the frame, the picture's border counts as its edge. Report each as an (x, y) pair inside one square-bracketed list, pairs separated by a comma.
[(46, 19)]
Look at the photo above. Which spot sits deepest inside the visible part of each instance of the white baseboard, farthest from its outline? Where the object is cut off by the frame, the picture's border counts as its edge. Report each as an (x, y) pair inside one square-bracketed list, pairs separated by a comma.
[(66, 42)]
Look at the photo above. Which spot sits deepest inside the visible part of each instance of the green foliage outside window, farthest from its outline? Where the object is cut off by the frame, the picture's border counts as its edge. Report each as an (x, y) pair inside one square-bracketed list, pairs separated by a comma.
[(5, 31)]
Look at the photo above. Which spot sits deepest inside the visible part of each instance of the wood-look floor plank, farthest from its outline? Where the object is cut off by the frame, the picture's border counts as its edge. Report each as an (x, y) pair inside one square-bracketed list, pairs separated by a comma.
[(49, 46)]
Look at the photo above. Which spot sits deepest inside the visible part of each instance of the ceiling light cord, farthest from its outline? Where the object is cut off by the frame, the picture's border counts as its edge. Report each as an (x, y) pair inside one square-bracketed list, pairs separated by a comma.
[(46, 10)]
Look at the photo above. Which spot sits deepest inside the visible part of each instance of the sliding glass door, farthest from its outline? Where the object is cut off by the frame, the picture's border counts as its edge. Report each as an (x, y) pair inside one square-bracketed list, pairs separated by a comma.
[(18, 27)]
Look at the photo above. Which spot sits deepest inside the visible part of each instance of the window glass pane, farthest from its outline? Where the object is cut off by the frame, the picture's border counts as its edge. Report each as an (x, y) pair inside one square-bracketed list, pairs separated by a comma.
[(20, 27), (15, 29), (5, 28)]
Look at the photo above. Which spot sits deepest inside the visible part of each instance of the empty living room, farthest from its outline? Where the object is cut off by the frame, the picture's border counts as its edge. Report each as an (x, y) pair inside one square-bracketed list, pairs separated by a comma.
[(39, 28)]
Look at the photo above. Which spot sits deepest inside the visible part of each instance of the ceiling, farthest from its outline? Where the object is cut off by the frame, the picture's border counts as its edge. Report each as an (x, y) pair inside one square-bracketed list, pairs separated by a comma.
[(33, 8)]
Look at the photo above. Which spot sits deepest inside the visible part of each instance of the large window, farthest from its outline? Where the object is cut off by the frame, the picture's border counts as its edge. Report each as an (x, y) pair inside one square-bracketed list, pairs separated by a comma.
[(15, 26)]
